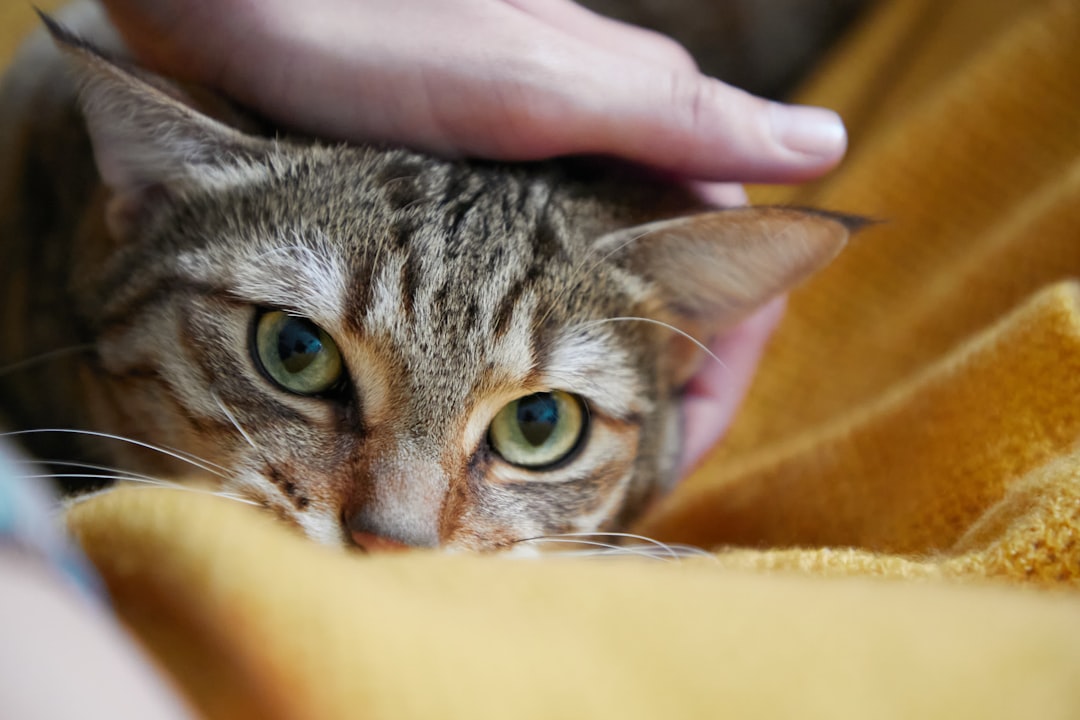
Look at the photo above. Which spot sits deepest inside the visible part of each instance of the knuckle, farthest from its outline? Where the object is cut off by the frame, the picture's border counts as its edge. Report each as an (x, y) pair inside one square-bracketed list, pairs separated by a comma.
[(707, 104), (670, 52), (694, 99)]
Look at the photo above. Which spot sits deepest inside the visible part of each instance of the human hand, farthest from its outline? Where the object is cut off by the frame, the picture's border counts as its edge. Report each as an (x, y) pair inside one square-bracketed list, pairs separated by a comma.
[(501, 79)]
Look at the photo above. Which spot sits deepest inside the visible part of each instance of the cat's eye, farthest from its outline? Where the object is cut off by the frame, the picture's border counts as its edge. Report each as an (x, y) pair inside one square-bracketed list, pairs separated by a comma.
[(538, 430), (296, 354)]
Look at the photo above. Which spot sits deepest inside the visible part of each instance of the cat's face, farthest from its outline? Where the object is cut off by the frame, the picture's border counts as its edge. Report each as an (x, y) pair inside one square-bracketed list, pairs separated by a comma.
[(412, 349), (375, 344)]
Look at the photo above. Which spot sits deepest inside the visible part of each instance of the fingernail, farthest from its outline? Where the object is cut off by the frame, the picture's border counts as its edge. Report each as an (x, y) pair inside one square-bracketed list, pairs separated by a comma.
[(809, 130)]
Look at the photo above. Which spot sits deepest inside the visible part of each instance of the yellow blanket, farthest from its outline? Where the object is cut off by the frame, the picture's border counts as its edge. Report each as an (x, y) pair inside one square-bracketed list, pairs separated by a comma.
[(914, 428)]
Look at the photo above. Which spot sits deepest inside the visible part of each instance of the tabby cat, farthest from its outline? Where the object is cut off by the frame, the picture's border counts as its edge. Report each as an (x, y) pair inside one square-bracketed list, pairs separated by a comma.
[(371, 343)]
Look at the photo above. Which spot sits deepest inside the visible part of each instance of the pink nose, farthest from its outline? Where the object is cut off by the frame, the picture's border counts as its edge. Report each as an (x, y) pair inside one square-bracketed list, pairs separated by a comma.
[(376, 543)]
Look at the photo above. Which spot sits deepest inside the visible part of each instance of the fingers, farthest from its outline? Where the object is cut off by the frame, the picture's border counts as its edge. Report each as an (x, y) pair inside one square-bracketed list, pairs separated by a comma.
[(715, 393), (699, 127), (555, 95), (797, 131), (533, 79), (721, 194)]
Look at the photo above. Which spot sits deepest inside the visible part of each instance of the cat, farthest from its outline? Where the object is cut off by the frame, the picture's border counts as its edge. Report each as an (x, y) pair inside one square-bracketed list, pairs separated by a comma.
[(375, 345)]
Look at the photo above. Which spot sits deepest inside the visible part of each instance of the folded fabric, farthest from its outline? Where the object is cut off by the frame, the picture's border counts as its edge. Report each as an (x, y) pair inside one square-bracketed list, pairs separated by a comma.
[(256, 622), (918, 400), (915, 426)]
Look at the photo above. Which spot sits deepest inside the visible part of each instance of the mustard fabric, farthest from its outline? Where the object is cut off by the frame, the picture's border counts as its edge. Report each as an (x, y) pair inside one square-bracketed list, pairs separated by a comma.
[(919, 402), (895, 515), (256, 622)]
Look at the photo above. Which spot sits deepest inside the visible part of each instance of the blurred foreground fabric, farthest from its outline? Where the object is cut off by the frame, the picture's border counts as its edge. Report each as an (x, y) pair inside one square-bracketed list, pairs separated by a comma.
[(895, 517)]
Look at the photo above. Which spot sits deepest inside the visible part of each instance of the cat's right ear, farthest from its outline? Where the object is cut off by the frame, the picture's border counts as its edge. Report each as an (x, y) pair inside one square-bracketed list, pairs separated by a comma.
[(705, 273), (147, 143)]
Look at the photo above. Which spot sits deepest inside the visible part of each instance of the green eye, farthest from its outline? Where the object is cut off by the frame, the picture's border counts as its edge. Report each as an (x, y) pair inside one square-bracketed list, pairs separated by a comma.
[(538, 430), (296, 354)]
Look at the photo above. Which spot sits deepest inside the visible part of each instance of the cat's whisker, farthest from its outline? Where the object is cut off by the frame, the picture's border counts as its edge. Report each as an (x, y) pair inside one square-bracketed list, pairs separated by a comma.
[(243, 433), (236, 424), (673, 550), (120, 474), (30, 362), (663, 324), (87, 466), (119, 478), (202, 465), (591, 548), (618, 248), (115, 477), (645, 546), (198, 458), (570, 541), (613, 553), (622, 536), (139, 484), (583, 272)]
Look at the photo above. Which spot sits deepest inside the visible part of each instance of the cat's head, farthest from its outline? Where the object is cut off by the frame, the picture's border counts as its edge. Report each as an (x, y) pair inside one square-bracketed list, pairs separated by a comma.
[(375, 343)]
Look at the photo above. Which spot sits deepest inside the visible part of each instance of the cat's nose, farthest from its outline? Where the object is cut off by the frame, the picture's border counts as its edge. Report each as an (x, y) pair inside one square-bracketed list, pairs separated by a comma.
[(371, 542)]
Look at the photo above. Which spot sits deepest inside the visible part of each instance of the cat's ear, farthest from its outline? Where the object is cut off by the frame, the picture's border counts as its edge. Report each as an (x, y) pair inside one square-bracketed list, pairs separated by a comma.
[(706, 272), (145, 139)]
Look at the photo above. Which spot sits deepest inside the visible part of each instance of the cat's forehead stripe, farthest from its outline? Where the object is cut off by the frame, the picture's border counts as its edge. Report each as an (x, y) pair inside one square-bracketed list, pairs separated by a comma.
[(512, 350)]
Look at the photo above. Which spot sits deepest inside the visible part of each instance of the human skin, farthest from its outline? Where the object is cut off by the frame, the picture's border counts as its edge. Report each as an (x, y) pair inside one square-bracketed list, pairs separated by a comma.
[(501, 79)]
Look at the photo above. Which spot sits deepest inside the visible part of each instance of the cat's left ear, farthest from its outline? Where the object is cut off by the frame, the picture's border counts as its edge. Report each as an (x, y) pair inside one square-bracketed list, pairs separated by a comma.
[(705, 273), (145, 139)]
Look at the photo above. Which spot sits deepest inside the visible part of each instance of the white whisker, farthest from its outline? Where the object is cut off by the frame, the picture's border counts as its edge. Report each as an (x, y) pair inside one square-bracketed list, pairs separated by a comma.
[(646, 546), (120, 474), (617, 248), (90, 476), (92, 433), (236, 423), (140, 484), (88, 466), (669, 326), (625, 536), (193, 456), (571, 541), (123, 477), (598, 549), (247, 437), (582, 272)]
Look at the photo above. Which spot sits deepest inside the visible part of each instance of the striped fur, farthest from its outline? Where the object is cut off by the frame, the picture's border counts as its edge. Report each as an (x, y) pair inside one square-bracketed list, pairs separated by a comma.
[(451, 288)]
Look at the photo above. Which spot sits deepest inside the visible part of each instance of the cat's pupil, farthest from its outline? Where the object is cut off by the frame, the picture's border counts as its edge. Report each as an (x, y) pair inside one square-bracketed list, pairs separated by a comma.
[(537, 416), (298, 345)]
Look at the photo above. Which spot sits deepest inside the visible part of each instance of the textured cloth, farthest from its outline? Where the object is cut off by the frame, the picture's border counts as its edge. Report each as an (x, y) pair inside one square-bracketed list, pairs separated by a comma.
[(919, 403), (914, 428)]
